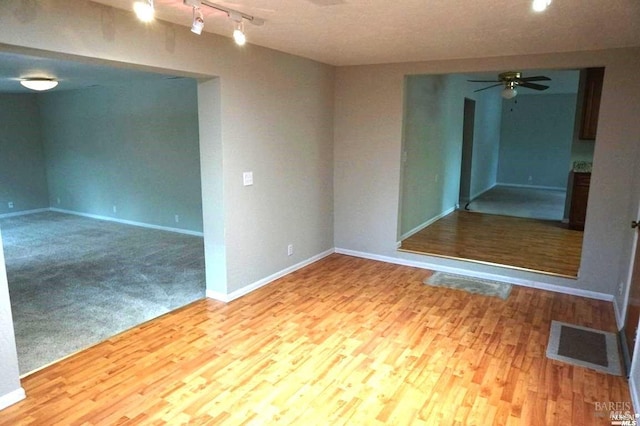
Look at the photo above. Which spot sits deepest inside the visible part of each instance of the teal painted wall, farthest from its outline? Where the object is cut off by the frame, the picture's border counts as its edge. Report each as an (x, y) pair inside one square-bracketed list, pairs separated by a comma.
[(536, 139), (135, 148), (486, 141), (22, 164), (432, 147)]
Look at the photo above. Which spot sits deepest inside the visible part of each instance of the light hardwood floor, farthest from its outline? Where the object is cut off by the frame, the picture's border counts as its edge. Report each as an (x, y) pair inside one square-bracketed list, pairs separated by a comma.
[(528, 244), (342, 341)]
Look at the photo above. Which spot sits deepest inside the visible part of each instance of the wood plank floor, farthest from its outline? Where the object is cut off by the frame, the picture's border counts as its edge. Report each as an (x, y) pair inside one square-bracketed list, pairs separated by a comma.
[(342, 341), (528, 244)]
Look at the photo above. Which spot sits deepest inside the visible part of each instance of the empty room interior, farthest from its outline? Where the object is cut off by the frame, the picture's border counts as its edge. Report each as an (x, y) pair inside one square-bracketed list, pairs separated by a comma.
[(332, 212), (521, 157), (109, 173)]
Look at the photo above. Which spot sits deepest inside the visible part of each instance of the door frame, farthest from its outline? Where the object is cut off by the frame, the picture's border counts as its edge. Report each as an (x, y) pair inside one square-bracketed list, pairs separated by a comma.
[(628, 361), (466, 160)]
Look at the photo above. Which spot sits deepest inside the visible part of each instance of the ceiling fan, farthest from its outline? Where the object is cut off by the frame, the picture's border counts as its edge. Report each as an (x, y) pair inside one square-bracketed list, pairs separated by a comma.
[(512, 79)]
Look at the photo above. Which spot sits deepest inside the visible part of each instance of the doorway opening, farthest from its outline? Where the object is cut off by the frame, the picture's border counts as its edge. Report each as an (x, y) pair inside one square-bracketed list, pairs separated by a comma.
[(469, 152), (110, 234)]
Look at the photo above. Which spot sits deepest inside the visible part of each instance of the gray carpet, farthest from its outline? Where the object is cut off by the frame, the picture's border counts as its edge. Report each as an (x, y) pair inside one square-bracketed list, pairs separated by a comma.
[(521, 202), (75, 281)]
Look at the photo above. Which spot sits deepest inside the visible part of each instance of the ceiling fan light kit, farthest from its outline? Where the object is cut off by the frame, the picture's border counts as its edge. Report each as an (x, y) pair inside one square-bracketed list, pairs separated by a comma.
[(509, 93)]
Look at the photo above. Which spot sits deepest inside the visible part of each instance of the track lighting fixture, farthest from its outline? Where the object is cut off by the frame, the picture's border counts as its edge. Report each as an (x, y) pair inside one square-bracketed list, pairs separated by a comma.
[(144, 10), (198, 21), (39, 84), (540, 5)]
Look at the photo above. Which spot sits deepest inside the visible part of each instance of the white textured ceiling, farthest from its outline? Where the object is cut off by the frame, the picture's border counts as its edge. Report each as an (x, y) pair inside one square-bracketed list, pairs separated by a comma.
[(342, 32), (352, 32)]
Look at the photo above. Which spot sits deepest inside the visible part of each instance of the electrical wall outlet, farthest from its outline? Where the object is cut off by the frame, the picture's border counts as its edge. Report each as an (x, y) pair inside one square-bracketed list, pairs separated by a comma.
[(58, 200), (290, 250), (177, 218), (115, 209), (10, 204), (620, 288)]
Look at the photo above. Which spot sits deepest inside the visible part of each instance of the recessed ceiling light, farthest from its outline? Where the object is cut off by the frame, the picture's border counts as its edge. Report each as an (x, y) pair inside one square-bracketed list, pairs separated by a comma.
[(39, 84), (540, 5)]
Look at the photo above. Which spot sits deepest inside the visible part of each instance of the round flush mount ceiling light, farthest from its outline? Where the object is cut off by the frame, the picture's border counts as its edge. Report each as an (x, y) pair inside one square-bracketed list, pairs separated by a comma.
[(39, 84)]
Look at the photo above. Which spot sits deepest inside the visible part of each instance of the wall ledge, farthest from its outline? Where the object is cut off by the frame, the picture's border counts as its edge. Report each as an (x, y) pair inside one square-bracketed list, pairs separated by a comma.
[(460, 271)]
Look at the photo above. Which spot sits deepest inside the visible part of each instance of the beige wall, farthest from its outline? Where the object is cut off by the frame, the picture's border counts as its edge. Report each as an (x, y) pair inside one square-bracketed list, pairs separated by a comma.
[(367, 146), (265, 111)]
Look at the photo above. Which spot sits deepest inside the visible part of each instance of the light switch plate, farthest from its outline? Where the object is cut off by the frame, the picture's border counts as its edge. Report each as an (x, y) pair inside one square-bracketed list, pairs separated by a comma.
[(247, 178)]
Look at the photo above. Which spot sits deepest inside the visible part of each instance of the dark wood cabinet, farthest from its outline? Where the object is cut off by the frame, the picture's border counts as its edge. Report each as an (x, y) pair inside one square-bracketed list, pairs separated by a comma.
[(591, 103), (579, 198)]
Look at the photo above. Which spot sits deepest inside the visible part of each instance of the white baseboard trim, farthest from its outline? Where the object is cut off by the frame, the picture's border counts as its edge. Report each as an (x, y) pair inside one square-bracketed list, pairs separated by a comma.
[(453, 270), (425, 224), (11, 398), (261, 283), (129, 222), (24, 212), (519, 185)]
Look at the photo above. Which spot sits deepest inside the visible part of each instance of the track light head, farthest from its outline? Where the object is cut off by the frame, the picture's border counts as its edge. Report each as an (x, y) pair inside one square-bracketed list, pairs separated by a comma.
[(198, 21), (238, 28), (239, 37), (144, 10)]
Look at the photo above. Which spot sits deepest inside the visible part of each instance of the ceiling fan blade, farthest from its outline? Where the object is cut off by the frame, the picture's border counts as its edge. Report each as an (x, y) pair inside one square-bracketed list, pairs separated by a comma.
[(488, 87), (533, 86), (483, 81), (535, 78)]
